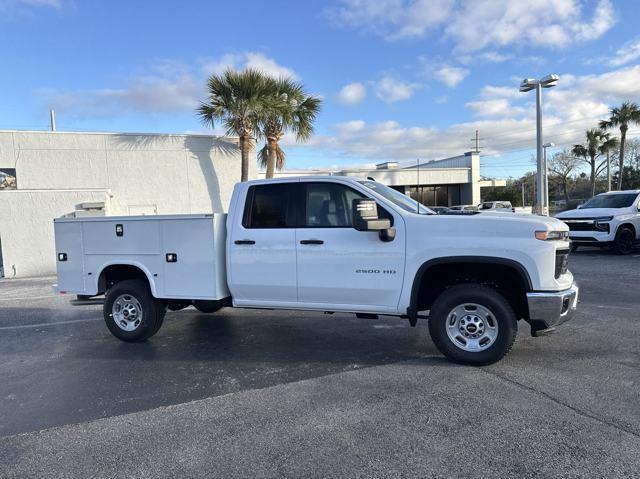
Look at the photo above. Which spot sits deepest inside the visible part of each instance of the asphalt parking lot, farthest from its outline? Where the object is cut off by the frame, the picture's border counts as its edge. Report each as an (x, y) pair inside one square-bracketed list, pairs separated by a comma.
[(273, 394)]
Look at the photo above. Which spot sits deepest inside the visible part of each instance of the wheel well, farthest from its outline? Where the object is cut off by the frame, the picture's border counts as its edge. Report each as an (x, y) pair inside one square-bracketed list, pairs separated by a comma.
[(119, 272), (626, 225), (510, 280)]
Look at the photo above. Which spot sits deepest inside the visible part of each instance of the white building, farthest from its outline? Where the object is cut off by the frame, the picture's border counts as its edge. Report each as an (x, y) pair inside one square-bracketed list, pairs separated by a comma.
[(119, 174)]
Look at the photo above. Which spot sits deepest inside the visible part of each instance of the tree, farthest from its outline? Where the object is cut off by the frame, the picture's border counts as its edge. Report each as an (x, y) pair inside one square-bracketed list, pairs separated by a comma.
[(606, 149), (288, 108), (562, 164), (590, 151), (237, 100), (621, 117)]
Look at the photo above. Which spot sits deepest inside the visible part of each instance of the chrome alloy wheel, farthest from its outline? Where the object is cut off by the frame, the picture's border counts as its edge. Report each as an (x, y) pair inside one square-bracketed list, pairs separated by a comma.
[(472, 327), (127, 312)]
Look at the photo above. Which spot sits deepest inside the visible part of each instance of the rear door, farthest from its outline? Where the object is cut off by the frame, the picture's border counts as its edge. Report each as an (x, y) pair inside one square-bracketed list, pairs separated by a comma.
[(339, 267), (262, 247)]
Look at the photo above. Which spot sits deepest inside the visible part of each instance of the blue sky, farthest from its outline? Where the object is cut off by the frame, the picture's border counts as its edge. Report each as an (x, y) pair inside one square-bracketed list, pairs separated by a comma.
[(401, 79)]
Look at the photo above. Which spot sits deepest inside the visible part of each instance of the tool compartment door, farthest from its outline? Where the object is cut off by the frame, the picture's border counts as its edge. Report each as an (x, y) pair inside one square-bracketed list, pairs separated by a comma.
[(69, 256), (193, 273)]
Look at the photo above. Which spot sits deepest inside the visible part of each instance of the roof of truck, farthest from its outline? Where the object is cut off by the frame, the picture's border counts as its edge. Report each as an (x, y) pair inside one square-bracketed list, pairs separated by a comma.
[(293, 179)]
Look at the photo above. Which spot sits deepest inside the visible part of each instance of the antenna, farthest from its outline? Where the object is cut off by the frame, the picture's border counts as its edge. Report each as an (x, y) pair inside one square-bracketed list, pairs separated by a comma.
[(52, 118)]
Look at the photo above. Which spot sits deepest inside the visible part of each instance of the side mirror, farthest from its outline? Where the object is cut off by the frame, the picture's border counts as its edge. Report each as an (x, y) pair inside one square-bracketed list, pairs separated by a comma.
[(365, 218), (579, 207)]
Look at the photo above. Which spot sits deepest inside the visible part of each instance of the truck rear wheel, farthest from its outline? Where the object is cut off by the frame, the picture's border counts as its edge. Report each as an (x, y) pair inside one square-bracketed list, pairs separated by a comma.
[(472, 324), (131, 312)]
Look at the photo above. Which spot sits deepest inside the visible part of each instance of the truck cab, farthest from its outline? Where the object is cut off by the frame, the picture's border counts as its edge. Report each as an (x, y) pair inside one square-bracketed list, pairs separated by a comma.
[(345, 244)]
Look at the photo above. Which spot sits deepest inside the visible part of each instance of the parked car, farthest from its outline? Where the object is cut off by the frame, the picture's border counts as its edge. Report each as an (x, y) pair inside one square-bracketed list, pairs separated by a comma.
[(439, 210), (609, 219), (463, 208), (498, 206), (327, 244)]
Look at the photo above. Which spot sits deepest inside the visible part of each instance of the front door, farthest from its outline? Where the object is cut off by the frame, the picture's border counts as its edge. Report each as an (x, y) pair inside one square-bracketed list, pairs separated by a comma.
[(342, 268), (262, 248)]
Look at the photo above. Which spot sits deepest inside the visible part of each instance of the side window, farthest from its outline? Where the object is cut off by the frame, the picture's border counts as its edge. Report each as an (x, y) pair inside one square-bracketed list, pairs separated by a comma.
[(329, 205), (269, 206)]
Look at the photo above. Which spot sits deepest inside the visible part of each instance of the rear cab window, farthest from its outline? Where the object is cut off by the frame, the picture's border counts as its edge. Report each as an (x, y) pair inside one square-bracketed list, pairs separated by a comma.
[(270, 206)]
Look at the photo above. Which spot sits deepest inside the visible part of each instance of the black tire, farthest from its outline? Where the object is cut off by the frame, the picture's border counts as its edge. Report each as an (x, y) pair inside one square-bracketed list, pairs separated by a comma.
[(501, 313), (207, 306), (625, 241), (153, 310)]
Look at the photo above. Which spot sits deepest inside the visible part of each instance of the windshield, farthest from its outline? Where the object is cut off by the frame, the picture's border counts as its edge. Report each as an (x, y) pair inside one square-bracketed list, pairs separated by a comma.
[(486, 206), (622, 200), (397, 198)]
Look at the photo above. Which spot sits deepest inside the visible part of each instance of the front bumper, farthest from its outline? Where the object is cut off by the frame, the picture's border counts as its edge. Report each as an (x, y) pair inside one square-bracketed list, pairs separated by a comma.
[(590, 237), (551, 308)]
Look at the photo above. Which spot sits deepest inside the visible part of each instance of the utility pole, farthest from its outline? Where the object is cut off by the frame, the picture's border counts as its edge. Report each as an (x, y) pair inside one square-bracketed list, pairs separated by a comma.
[(476, 140), (522, 184), (608, 171), (52, 118)]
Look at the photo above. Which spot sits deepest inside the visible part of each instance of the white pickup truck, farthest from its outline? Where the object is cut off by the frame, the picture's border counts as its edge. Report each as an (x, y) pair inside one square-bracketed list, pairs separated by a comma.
[(328, 244), (608, 219)]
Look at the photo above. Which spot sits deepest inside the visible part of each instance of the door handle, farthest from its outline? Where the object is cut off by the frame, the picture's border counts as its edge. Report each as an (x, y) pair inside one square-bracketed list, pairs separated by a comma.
[(311, 241), (246, 241)]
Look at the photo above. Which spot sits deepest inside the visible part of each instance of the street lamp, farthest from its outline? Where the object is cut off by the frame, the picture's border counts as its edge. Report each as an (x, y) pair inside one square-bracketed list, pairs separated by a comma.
[(529, 84), (545, 172)]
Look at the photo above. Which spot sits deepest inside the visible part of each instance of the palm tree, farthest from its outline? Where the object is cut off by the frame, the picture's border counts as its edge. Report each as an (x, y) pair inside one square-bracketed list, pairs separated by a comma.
[(591, 151), (237, 100), (621, 117), (288, 108)]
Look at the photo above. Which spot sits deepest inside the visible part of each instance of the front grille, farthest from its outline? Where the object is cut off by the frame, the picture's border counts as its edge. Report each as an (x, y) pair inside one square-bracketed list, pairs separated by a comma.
[(587, 226), (562, 262)]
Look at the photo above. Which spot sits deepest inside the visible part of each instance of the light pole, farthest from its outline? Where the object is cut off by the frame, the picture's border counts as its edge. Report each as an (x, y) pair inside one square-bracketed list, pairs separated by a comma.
[(545, 171), (529, 84)]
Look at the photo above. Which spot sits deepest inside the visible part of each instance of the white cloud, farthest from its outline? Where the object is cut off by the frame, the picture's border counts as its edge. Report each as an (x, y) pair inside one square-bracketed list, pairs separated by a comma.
[(484, 57), (391, 90), (239, 61), (505, 118), (627, 53), (474, 25), (6, 4), (497, 107), (451, 76), (349, 127), (167, 87), (392, 19), (547, 23), (352, 94)]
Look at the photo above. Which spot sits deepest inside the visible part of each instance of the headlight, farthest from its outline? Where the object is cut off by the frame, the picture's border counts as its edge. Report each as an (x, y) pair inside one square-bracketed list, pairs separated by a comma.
[(552, 235)]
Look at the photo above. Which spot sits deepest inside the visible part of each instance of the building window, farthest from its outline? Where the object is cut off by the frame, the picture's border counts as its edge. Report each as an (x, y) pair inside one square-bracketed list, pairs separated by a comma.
[(442, 195), (8, 179)]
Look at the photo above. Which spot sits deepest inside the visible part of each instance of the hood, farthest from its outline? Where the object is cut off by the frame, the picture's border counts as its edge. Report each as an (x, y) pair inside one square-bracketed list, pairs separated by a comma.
[(498, 225), (590, 213)]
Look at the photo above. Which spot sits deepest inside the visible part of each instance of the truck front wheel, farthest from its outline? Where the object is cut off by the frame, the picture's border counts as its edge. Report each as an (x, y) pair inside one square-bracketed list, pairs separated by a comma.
[(131, 312), (472, 324)]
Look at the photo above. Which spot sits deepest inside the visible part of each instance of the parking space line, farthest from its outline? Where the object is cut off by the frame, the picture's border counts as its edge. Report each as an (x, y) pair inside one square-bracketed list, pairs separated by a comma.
[(24, 326), (29, 297)]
